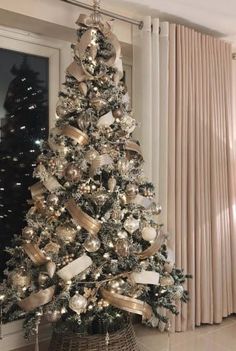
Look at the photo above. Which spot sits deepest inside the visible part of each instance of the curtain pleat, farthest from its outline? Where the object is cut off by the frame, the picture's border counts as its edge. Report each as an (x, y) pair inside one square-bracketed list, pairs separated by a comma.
[(201, 166)]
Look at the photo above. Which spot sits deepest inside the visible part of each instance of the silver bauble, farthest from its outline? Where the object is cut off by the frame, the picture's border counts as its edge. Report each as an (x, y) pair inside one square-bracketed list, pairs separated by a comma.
[(122, 247), (166, 280), (149, 233), (66, 233), (78, 303), (53, 316), (91, 155), (92, 244), (19, 279), (52, 200), (28, 233), (131, 190), (112, 184), (123, 166), (72, 173), (131, 224), (51, 268)]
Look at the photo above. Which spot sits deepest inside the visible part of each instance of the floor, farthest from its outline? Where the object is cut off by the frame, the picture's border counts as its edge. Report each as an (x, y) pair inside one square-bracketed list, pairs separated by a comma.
[(205, 338)]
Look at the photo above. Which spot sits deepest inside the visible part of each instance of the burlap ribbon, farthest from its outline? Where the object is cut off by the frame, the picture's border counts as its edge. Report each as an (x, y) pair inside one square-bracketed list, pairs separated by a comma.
[(35, 254), (74, 268), (128, 304), (36, 300), (98, 162), (81, 218), (75, 134), (154, 248)]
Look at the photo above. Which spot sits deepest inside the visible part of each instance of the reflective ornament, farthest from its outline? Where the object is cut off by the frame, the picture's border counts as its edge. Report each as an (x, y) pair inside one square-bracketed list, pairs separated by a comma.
[(43, 278), (72, 173), (92, 244), (166, 280), (78, 303), (66, 233), (19, 279), (131, 224), (83, 121), (28, 233), (117, 113), (51, 268), (83, 88), (178, 292), (122, 247), (168, 266), (122, 234), (61, 110), (149, 233), (91, 155), (53, 316), (98, 103), (117, 286), (131, 190), (112, 184), (52, 248), (52, 200), (123, 166)]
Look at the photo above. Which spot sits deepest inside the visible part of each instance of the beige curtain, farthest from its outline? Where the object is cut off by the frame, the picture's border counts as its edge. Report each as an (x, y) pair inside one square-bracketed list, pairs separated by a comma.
[(201, 174)]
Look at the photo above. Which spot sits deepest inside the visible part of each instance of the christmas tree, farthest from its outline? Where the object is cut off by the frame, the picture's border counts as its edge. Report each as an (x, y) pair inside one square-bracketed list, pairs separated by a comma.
[(92, 252), (22, 128)]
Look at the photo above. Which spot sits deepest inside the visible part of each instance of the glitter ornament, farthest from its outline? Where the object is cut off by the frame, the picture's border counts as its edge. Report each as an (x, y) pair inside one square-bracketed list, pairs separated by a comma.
[(166, 280), (149, 233), (91, 155), (66, 233), (178, 292), (51, 248), (19, 279), (122, 247), (92, 244), (131, 224), (72, 173), (78, 303)]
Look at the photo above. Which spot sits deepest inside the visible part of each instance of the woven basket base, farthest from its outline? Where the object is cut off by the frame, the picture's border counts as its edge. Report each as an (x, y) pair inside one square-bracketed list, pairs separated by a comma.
[(122, 340)]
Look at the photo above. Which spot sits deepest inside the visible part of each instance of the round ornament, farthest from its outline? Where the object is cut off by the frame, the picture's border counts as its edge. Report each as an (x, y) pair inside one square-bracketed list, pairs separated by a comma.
[(28, 233), (52, 248), (123, 166), (83, 121), (91, 155), (78, 303), (149, 233), (166, 280), (131, 224), (117, 286), (178, 292), (117, 113), (19, 279), (61, 110), (72, 173), (66, 233), (112, 184), (53, 316), (131, 190), (92, 244), (122, 247), (52, 200)]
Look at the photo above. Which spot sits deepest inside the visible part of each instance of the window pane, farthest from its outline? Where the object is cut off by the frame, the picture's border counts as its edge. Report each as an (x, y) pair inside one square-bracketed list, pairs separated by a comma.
[(23, 123)]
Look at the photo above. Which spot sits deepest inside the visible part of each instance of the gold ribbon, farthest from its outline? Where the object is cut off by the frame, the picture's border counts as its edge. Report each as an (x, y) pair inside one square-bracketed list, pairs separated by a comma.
[(35, 254), (154, 248), (81, 218), (128, 304), (133, 146), (51, 184), (76, 70), (37, 299), (74, 268), (37, 190), (75, 134), (100, 161)]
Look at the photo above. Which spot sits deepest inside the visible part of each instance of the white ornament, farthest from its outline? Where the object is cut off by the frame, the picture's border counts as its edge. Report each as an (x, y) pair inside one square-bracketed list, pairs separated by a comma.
[(131, 224), (78, 303), (149, 233)]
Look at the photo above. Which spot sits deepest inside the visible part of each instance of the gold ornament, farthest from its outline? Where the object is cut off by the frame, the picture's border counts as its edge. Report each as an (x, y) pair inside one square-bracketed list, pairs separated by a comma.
[(19, 279), (78, 303), (122, 247), (98, 103), (43, 278), (117, 286), (117, 113), (123, 166), (92, 244), (112, 184), (166, 280), (131, 190), (66, 233), (72, 173), (149, 233), (52, 248), (83, 88), (51, 268), (131, 224), (91, 155), (28, 233), (53, 316)]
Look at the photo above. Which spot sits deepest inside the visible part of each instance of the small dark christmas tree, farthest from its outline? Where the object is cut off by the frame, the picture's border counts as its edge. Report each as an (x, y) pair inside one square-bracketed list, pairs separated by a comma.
[(92, 251), (21, 130)]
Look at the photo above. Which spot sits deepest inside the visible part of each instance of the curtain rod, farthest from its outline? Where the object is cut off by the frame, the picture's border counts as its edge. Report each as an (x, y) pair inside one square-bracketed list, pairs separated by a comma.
[(106, 13)]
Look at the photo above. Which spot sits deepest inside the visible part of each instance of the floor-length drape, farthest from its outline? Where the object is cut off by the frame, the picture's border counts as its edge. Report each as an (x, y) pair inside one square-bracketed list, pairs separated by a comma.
[(201, 165)]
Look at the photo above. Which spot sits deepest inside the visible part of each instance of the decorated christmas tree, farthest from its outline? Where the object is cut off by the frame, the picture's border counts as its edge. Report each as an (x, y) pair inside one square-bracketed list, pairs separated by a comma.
[(93, 252), (21, 130)]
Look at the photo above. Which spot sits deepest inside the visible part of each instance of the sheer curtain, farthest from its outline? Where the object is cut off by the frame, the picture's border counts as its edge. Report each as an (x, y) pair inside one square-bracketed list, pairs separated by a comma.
[(150, 96)]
